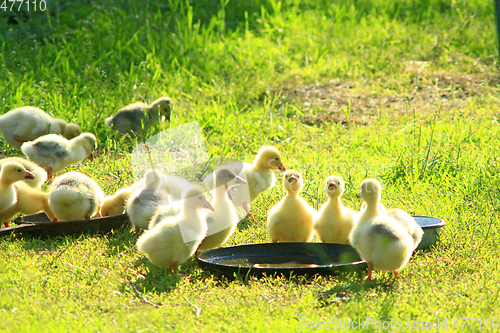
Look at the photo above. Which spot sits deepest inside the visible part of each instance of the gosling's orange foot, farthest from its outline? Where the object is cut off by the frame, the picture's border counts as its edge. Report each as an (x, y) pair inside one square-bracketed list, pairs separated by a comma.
[(370, 269), (253, 218), (245, 208), (174, 268)]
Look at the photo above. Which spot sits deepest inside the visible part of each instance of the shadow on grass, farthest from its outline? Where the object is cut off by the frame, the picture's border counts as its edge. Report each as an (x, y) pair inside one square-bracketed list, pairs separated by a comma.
[(38, 244), (71, 15), (122, 240), (244, 224), (53, 247), (352, 286), (224, 280), (155, 278)]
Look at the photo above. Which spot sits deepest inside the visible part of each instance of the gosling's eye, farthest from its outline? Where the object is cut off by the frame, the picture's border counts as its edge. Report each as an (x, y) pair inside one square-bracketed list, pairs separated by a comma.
[(18, 170), (276, 159)]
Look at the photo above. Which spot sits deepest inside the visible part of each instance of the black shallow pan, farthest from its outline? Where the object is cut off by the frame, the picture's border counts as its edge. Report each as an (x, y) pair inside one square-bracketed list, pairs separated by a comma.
[(282, 258), (299, 258), (39, 225)]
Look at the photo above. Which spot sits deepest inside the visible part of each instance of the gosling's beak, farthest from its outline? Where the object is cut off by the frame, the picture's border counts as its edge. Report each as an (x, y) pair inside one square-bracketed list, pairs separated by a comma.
[(91, 157), (240, 180), (29, 175), (208, 205), (282, 167), (332, 186), (292, 179)]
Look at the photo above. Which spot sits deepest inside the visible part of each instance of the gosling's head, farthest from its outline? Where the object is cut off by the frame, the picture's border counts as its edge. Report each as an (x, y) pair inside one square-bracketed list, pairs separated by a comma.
[(226, 177), (163, 106), (112, 206), (153, 179), (15, 171), (197, 198), (88, 141), (334, 186), (371, 191), (292, 181), (71, 131), (269, 158)]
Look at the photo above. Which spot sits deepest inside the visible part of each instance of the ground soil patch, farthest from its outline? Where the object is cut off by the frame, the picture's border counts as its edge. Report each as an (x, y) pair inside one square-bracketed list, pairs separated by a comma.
[(328, 101)]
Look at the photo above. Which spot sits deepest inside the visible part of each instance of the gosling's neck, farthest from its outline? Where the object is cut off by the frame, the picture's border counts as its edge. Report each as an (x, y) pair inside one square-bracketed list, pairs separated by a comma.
[(78, 149), (261, 167), (4, 186), (292, 194), (335, 203), (220, 192), (153, 113), (371, 209)]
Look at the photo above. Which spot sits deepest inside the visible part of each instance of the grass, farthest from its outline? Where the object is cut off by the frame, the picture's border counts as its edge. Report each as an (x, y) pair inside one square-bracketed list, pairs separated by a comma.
[(250, 73)]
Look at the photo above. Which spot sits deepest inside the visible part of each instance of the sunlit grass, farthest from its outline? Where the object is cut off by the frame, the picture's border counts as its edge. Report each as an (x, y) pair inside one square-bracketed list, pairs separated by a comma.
[(225, 64)]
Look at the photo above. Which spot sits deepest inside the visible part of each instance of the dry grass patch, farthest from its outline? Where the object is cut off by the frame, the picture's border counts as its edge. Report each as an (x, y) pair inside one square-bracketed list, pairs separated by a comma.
[(362, 102)]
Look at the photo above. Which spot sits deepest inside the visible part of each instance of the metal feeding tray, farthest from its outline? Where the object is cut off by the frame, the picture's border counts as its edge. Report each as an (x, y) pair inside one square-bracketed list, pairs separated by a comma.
[(39, 225), (432, 229), (282, 258), (299, 258)]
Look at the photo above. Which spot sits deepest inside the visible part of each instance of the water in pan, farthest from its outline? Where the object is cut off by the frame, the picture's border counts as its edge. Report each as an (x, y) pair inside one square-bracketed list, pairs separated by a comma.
[(290, 264), (426, 221), (244, 262)]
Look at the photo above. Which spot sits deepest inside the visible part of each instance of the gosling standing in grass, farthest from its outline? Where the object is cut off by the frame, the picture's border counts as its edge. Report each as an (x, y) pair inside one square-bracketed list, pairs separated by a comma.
[(53, 152), (175, 239), (291, 220), (380, 240), (27, 123), (144, 202), (259, 177), (223, 220), (134, 117), (74, 196), (335, 222)]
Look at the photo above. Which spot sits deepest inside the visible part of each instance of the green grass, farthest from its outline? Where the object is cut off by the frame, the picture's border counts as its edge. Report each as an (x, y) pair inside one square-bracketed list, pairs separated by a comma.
[(246, 71)]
